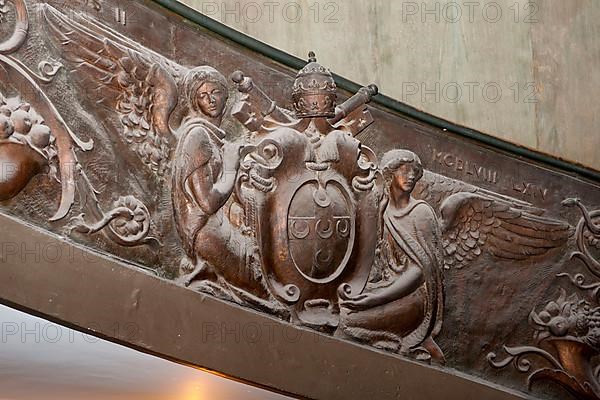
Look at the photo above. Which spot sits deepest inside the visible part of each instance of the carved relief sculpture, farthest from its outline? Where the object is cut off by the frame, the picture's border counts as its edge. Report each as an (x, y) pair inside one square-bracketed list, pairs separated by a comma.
[(401, 307), (285, 220), (33, 124), (26, 146), (204, 174), (306, 189), (285, 211), (567, 330)]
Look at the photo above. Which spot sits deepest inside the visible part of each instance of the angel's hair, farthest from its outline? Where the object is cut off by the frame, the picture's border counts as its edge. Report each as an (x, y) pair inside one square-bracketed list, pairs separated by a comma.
[(394, 159), (198, 76)]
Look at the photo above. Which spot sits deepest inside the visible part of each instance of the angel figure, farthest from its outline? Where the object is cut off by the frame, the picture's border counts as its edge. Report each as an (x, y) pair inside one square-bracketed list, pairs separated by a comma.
[(144, 90), (401, 307), (204, 173)]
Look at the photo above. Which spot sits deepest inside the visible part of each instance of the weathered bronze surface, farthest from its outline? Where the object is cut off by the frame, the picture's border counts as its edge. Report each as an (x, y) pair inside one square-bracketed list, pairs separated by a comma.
[(237, 179)]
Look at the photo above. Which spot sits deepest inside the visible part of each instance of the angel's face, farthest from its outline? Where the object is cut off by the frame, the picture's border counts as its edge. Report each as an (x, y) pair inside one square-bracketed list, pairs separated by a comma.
[(211, 99), (406, 177)]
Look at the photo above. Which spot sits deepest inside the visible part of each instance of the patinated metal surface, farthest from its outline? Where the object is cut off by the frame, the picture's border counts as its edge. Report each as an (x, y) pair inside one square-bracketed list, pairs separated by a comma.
[(227, 180)]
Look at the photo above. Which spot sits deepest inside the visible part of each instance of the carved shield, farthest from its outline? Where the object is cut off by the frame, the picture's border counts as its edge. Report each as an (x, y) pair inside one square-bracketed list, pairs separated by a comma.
[(316, 227), (320, 230)]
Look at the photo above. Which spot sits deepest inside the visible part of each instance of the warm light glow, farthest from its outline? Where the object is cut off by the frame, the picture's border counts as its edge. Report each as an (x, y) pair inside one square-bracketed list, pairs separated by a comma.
[(195, 390)]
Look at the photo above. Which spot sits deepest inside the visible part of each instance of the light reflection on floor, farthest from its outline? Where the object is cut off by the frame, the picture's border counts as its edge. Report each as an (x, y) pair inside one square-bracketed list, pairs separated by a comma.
[(41, 360)]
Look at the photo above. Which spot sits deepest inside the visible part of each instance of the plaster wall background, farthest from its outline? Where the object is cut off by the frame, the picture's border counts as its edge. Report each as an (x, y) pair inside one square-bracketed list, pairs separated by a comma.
[(524, 71)]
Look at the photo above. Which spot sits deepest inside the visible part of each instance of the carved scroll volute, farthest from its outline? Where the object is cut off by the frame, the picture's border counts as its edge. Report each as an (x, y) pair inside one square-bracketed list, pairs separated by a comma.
[(20, 31)]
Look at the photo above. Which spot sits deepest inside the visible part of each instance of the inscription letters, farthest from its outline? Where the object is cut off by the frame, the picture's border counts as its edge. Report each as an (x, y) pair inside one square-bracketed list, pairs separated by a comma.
[(465, 167)]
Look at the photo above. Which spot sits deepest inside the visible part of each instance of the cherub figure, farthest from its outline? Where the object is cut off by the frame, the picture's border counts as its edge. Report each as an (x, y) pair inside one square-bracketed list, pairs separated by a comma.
[(401, 307)]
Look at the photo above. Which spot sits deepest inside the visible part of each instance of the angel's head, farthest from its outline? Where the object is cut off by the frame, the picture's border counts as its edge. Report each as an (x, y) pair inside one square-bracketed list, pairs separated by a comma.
[(206, 91), (401, 169)]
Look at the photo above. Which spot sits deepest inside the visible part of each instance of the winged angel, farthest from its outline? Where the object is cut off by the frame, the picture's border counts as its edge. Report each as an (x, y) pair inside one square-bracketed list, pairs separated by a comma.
[(145, 89), (402, 305)]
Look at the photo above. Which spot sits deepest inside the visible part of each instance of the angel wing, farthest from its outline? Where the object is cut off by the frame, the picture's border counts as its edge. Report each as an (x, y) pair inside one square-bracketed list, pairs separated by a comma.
[(475, 220), (435, 188), (473, 223), (116, 72)]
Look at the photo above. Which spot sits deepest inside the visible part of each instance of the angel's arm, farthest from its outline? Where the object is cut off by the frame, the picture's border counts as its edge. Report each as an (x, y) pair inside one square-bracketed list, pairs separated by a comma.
[(403, 285), (208, 191), (209, 195)]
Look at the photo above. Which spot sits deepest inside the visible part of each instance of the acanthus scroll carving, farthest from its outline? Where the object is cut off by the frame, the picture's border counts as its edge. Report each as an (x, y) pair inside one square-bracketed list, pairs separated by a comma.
[(127, 223), (45, 132), (18, 75)]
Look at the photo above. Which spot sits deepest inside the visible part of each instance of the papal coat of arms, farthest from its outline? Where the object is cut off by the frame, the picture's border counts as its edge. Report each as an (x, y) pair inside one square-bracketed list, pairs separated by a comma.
[(295, 217)]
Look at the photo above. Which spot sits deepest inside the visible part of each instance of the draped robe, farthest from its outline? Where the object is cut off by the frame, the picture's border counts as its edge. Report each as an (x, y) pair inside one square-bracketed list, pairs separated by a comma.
[(411, 236), (209, 236)]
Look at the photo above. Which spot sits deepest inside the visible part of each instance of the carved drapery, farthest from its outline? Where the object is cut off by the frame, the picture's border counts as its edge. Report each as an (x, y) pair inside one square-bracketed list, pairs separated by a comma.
[(212, 183)]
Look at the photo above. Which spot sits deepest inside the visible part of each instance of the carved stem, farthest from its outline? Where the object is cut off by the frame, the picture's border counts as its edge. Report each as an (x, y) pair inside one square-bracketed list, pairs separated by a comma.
[(21, 28), (120, 212), (586, 222), (64, 136)]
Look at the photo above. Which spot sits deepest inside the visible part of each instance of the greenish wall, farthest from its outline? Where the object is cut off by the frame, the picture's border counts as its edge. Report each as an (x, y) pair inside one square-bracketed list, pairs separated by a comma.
[(523, 71)]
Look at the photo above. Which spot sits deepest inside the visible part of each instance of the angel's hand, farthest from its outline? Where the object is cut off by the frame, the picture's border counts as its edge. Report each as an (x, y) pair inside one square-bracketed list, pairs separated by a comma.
[(231, 156)]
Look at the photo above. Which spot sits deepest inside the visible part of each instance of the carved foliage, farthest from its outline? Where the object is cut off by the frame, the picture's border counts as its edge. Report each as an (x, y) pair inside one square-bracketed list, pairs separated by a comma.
[(569, 325)]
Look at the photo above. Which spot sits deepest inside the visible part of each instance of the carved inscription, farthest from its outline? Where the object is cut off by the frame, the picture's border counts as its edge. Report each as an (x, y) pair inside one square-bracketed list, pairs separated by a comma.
[(486, 174), (465, 167), (530, 189)]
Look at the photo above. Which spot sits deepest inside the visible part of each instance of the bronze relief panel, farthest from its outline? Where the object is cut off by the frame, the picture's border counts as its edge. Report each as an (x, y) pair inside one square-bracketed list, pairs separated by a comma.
[(263, 190)]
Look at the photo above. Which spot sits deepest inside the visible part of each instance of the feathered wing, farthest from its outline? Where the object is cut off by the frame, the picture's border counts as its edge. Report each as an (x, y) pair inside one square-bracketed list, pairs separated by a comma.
[(474, 223), (137, 83), (435, 188)]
